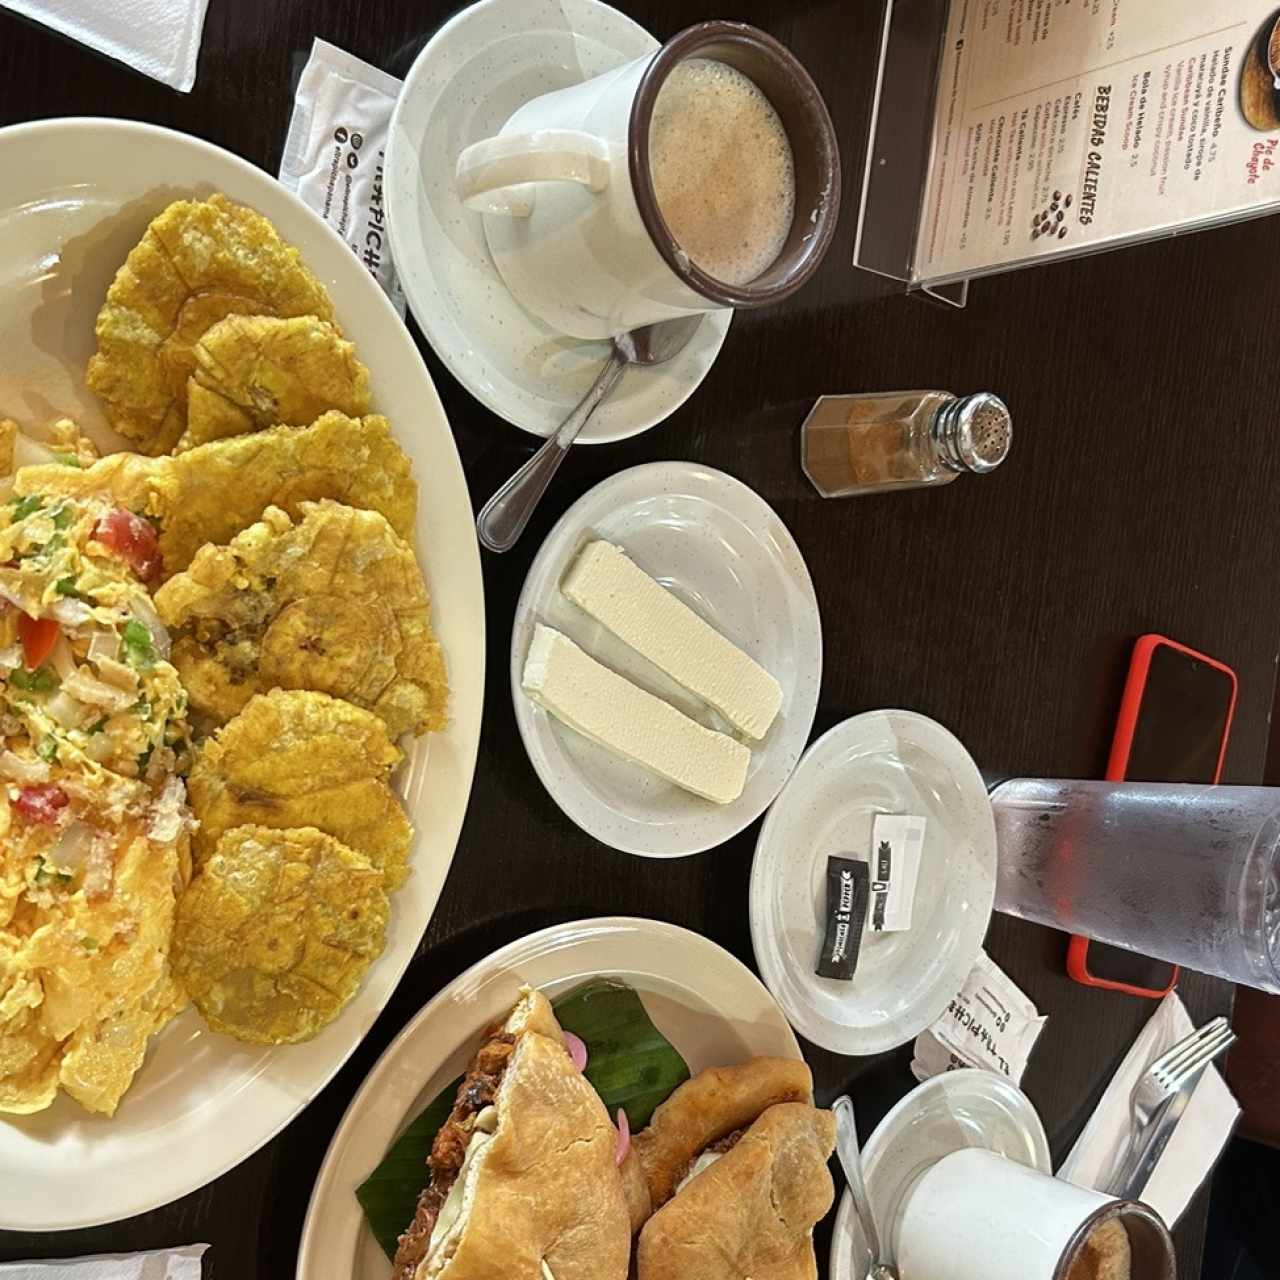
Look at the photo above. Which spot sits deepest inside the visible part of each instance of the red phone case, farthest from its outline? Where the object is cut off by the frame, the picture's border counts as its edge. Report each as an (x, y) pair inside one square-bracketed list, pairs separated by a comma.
[(1118, 766)]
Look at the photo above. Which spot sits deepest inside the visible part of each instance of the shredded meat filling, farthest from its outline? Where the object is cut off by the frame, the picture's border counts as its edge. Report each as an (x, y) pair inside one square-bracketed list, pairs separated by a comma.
[(478, 1089)]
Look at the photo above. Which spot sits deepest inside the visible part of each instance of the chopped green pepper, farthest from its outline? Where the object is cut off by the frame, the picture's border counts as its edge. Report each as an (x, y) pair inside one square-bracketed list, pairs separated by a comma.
[(67, 587), (44, 874), (23, 507), (42, 680), (139, 648)]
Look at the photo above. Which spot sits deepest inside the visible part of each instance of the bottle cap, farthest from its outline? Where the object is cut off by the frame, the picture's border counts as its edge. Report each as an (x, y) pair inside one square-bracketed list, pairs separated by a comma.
[(974, 432)]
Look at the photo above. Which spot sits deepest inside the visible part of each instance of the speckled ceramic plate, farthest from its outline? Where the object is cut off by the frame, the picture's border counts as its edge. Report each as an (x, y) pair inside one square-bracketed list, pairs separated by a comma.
[(704, 1000), (721, 548), (478, 68), (879, 762), (948, 1113)]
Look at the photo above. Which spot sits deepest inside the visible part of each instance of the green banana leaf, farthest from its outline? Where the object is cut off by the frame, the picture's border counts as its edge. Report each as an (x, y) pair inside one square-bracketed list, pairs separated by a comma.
[(629, 1062)]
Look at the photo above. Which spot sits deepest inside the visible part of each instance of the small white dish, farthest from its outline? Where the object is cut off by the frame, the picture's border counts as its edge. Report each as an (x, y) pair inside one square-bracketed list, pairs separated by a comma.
[(707, 1003), (879, 762), (475, 71), (967, 1108), (723, 551)]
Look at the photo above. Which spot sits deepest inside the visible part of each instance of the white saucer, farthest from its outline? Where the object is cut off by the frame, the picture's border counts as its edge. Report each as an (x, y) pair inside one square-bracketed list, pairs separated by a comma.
[(721, 548), (960, 1109), (476, 70), (878, 762)]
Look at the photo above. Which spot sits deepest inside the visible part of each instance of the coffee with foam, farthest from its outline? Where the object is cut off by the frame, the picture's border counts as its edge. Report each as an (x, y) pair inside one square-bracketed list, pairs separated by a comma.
[(723, 172), (1105, 1255)]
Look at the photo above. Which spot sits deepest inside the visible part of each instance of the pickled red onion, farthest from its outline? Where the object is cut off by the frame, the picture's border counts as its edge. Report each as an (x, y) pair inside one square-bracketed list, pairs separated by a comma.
[(577, 1050)]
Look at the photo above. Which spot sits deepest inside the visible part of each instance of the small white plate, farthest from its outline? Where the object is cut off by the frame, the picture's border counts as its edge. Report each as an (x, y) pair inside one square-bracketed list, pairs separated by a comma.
[(960, 1109), (879, 762), (707, 1003), (476, 70), (721, 548)]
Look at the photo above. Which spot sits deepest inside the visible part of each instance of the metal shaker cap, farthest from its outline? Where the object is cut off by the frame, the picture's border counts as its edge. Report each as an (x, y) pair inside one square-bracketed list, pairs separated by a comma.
[(974, 432)]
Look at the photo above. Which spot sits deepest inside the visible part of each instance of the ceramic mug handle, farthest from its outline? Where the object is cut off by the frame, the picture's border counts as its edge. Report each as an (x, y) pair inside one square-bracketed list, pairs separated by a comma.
[(495, 176)]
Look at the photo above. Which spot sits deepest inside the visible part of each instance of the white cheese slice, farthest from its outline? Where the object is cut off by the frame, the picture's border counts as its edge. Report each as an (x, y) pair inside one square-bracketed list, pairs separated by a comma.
[(704, 1161), (606, 583), (610, 710)]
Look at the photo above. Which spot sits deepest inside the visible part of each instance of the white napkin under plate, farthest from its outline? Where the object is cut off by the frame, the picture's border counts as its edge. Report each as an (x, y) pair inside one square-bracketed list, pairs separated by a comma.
[(1197, 1142), (163, 1264), (158, 37)]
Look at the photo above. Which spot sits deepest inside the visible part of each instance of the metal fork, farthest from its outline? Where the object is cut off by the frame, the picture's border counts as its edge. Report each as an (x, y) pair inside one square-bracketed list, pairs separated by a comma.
[(1178, 1067)]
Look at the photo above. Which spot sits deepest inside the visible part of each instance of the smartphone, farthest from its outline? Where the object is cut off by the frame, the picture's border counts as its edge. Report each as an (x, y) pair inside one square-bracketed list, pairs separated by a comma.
[(1175, 718)]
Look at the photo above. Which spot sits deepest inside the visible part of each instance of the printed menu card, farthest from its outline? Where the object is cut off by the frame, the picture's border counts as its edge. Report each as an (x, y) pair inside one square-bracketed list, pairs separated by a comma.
[(1070, 124)]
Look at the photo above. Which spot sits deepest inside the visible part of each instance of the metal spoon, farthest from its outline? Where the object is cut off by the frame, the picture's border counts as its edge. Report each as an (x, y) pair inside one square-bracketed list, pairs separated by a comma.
[(879, 1268), (503, 518)]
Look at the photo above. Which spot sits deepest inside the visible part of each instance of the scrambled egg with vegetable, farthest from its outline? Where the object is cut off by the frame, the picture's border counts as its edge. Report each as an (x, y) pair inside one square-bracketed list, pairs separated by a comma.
[(94, 829)]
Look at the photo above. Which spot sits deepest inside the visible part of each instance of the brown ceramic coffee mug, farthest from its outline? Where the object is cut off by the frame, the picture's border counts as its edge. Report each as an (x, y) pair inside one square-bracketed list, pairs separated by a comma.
[(574, 214)]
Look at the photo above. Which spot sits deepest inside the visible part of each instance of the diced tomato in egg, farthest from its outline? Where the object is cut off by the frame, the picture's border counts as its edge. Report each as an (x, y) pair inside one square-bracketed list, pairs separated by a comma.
[(38, 636), (41, 803), (133, 539)]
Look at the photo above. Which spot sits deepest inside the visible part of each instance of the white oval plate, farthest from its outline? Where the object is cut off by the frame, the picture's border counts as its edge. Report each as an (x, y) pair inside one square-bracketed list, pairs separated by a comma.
[(966, 1108), (476, 70), (879, 762), (707, 1003), (77, 196), (721, 548)]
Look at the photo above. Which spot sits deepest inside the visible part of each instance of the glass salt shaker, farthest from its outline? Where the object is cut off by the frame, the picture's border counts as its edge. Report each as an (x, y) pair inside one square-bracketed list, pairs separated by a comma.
[(902, 440)]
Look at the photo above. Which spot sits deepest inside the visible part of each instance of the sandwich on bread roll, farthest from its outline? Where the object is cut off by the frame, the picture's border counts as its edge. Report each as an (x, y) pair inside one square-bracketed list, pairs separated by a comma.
[(523, 1182), (749, 1213), (706, 1114)]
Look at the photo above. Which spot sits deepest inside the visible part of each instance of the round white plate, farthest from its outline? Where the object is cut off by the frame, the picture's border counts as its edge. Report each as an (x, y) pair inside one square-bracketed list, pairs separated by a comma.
[(708, 1004), (719, 547), (77, 196), (477, 69), (880, 762), (960, 1109)]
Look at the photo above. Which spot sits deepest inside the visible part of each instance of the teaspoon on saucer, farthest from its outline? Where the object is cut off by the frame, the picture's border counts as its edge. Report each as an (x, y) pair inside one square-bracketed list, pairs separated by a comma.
[(851, 1162), (503, 518)]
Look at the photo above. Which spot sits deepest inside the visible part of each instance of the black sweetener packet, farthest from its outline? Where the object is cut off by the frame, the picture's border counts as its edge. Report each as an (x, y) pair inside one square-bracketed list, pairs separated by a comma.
[(848, 891)]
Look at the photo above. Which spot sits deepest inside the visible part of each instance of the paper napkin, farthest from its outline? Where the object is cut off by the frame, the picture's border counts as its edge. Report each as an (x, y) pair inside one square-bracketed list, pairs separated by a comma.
[(163, 1264), (158, 37), (1197, 1142)]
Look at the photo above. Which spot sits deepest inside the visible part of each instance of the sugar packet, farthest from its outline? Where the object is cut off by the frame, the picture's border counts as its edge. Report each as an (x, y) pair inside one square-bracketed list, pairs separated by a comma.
[(990, 1024), (335, 151)]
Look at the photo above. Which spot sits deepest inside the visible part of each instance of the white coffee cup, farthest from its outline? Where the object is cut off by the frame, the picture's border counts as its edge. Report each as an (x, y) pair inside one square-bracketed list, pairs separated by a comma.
[(571, 218), (976, 1215)]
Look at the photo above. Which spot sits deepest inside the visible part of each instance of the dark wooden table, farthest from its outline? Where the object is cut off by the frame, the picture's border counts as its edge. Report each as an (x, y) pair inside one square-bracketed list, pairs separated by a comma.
[(1140, 495)]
